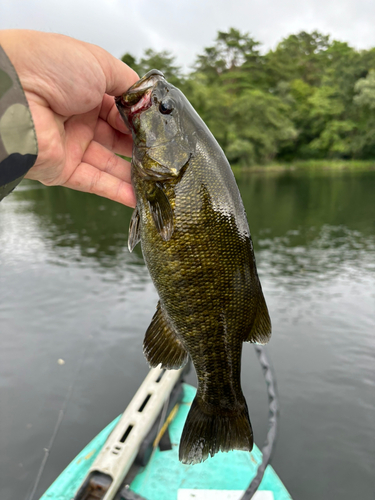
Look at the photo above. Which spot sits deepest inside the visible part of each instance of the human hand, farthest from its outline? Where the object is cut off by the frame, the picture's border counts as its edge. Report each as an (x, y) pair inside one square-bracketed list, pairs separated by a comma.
[(68, 85)]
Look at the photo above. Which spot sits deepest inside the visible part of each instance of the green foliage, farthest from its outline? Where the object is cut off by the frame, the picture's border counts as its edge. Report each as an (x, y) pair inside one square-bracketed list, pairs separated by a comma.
[(234, 60), (365, 88), (163, 61), (261, 127), (130, 61), (335, 139), (311, 97), (302, 56)]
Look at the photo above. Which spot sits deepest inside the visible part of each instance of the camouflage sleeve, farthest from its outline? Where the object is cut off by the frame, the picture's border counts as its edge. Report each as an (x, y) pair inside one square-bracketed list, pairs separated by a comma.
[(18, 143)]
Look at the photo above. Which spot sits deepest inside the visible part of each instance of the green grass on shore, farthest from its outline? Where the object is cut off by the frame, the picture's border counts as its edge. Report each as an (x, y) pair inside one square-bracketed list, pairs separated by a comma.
[(355, 165)]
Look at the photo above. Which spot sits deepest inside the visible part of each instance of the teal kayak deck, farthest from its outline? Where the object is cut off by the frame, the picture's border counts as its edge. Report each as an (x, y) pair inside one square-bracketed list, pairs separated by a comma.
[(165, 478), (68, 482)]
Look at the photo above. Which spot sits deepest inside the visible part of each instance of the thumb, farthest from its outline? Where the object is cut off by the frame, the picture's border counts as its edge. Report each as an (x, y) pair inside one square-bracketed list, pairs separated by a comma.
[(119, 76)]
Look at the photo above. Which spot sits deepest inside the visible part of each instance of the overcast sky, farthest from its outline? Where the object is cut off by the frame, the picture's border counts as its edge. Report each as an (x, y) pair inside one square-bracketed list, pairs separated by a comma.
[(184, 27)]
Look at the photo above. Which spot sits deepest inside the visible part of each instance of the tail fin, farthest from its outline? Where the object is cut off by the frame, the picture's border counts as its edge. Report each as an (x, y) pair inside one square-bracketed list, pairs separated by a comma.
[(205, 435)]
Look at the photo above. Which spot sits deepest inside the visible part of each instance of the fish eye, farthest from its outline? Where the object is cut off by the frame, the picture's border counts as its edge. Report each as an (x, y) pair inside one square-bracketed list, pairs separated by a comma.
[(166, 107)]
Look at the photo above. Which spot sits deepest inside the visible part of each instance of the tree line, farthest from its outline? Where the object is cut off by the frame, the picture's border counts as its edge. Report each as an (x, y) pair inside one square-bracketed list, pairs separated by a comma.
[(310, 98)]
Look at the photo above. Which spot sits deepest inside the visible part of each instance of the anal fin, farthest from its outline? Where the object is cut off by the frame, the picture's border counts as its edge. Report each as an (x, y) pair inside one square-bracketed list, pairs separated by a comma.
[(161, 344), (260, 332)]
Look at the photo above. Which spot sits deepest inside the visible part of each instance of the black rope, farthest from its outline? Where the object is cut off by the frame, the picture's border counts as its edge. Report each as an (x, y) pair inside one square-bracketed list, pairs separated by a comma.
[(273, 415)]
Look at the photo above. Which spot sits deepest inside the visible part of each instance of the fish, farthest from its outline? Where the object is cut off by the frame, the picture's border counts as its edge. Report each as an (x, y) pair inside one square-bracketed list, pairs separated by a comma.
[(196, 243)]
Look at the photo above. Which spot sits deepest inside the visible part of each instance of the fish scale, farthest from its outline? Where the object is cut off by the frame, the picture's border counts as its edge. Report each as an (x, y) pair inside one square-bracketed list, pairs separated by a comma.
[(197, 246)]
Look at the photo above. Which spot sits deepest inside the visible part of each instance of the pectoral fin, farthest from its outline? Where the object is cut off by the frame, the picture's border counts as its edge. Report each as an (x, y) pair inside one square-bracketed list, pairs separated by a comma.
[(134, 230), (260, 332), (161, 344), (161, 212)]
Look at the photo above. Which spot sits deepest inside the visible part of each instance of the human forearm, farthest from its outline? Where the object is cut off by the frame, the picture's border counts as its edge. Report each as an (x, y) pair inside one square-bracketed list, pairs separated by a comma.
[(18, 144)]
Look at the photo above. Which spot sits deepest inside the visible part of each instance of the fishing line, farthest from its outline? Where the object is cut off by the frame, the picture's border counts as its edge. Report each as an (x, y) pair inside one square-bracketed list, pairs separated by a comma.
[(57, 425), (273, 416)]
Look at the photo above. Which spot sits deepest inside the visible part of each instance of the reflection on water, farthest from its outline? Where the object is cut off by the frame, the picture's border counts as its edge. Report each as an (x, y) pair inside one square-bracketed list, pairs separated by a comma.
[(71, 222), (333, 251), (70, 289)]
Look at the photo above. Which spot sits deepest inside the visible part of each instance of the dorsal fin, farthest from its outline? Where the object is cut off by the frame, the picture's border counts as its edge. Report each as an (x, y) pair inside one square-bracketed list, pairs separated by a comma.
[(260, 332)]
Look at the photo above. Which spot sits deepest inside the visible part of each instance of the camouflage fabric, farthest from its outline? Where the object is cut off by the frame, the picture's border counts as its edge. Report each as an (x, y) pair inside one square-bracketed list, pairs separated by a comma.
[(18, 143)]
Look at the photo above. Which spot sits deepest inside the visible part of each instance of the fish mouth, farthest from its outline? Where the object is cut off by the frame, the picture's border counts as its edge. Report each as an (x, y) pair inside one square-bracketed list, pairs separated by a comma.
[(138, 97)]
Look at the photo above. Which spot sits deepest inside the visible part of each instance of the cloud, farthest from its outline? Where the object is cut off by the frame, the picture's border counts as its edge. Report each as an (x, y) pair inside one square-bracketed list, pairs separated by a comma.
[(186, 26)]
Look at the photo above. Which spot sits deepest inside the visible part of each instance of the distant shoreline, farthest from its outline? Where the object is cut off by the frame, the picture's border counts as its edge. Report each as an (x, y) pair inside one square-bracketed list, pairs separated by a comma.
[(352, 165)]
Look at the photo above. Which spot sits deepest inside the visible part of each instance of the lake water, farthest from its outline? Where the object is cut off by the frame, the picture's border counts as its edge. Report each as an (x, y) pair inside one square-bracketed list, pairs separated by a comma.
[(71, 291)]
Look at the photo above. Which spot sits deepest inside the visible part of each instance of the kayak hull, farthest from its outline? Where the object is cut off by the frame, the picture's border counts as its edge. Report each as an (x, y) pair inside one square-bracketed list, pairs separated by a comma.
[(224, 476)]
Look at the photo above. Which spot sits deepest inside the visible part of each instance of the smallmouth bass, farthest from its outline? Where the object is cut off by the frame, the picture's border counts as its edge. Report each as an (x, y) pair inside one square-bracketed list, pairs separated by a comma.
[(197, 246)]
